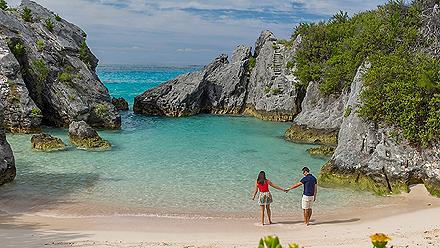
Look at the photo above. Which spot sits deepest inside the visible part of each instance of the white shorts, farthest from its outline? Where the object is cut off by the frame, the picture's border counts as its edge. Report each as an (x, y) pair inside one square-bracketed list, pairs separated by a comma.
[(307, 202)]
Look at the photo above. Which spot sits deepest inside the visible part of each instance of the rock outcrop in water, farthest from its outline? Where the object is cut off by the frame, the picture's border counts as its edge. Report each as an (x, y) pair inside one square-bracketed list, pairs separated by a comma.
[(47, 143), (85, 137), (7, 162), (378, 158), (47, 73), (120, 104), (261, 85)]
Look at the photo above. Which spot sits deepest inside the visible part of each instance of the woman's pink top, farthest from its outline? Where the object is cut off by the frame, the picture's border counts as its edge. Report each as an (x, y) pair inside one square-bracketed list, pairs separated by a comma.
[(264, 187)]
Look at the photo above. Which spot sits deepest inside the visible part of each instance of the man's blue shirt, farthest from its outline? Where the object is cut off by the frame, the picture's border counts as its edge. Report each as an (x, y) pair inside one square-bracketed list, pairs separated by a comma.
[(309, 183)]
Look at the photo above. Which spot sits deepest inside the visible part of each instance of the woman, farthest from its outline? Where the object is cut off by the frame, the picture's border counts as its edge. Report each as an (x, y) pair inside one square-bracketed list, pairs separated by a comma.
[(264, 198)]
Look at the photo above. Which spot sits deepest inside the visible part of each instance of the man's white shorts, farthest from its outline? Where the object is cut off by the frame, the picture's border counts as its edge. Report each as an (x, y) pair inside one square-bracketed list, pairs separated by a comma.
[(307, 202)]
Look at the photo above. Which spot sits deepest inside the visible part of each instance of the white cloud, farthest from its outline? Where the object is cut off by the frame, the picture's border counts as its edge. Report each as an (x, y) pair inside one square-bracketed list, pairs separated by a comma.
[(147, 31)]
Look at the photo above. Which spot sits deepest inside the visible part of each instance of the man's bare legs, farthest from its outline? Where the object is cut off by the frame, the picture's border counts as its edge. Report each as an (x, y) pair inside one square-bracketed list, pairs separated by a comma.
[(307, 216)]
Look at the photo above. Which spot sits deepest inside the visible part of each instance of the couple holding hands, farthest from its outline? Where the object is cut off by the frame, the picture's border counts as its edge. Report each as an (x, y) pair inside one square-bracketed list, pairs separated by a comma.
[(265, 198)]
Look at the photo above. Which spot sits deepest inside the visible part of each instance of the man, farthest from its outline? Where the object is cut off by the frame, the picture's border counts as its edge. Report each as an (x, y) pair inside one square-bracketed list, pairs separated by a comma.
[(309, 194)]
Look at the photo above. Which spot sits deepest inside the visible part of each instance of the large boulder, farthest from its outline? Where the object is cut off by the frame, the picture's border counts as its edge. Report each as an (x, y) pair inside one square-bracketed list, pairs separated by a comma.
[(7, 162), (272, 91), (219, 88), (378, 158), (60, 80), (47, 143), (85, 137)]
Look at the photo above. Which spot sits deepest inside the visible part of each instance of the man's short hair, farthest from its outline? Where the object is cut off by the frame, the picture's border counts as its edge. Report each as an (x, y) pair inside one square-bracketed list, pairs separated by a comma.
[(305, 169)]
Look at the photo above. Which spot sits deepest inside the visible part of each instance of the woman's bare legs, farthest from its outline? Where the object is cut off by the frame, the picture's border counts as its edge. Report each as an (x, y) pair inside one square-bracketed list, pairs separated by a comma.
[(262, 215), (269, 216)]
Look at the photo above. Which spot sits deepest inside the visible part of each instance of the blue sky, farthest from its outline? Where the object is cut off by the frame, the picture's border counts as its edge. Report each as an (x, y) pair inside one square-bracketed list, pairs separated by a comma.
[(187, 32)]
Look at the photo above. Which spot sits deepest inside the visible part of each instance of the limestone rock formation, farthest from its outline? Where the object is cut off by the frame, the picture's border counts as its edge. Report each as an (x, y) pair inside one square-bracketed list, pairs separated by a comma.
[(120, 104), (272, 94), (219, 88), (47, 72), (265, 90), (47, 143), (85, 137), (320, 118), (378, 158), (7, 162)]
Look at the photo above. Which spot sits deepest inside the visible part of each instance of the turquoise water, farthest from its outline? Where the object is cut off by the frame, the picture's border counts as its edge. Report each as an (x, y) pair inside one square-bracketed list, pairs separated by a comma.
[(203, 165)]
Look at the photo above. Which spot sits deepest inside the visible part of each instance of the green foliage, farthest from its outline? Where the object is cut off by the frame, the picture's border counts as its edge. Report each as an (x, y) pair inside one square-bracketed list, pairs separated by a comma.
[(101, 110), (252, 63), (266, 89), (290, 65), (404, 91), (402, 85), (17, 48), (3, 5), (66, 76), (40, 45), (277, 91), (36, 112), (48, 23), (27, 15), (347, 111), (40, 71), (57, 18), (84, 53), (275, 46), (286, 43), (273, 242)]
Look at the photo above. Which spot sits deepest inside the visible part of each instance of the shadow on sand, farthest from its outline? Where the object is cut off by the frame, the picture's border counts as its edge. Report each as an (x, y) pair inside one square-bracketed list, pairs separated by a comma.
[(33, 192)]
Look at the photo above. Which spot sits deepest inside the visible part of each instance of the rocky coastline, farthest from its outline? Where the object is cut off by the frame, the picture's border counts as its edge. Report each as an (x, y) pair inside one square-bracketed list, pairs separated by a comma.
[(61, 88)]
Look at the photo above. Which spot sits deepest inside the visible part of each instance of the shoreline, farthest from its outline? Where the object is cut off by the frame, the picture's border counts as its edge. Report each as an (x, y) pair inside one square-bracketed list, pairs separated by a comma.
[(412, 221)]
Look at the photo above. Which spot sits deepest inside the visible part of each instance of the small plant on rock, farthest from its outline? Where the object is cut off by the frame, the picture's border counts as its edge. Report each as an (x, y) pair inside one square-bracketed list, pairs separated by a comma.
[(277, 91), (40, 71), (17, 48), (27, 15), (347, 111), (49, 24), (84, 53), (3, 5), (36, 112), (252, 63), (40, 45), (57, 18)]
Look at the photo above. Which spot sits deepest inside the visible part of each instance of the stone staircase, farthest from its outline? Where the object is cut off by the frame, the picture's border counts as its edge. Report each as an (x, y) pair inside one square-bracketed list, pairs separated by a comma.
[(277, 62)]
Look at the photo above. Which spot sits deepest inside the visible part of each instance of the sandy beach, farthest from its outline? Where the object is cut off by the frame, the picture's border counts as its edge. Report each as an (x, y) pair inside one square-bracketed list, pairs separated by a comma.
[(410, 219)]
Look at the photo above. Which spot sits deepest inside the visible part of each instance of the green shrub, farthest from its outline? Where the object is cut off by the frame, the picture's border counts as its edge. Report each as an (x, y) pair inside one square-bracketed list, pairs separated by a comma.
[(66, 76), (347, 111), (275, 46), (290, 65), (36, 112), (27, 15), (17, 48), (277, 91), (40, 45), (266, 89), (3, 5), (252, 63), (84, 53), (402, 87), (286, 43), (48, 23), (40, 72), (57, 18), (101, 110)]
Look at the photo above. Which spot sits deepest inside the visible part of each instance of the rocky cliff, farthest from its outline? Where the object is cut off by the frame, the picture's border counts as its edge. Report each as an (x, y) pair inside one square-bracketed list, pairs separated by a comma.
[(7, 162), (47, 72), (261, 85), (378, 158)]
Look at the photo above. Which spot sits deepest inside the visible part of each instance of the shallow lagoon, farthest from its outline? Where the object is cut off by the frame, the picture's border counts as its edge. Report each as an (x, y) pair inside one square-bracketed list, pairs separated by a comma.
[(199, 166)]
